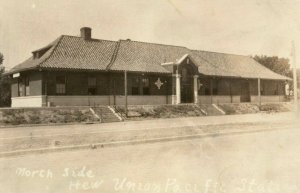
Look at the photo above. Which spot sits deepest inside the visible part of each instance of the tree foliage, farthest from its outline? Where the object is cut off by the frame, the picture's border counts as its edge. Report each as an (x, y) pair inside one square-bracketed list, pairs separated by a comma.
[(5, 100), (276, 64)]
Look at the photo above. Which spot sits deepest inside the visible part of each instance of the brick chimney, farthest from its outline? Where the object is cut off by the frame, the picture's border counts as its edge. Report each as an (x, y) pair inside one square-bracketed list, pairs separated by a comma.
[(86, 33)]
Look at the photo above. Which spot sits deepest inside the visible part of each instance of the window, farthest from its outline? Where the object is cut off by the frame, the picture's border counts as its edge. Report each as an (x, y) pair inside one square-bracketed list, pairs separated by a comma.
[(146, 90), (135, 86), (140, 85), (60, 85), (92, 85), (27, 90)]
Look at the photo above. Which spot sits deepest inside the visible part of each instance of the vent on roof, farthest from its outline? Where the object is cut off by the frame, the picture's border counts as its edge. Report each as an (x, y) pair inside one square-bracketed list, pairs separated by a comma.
[(86, 33)]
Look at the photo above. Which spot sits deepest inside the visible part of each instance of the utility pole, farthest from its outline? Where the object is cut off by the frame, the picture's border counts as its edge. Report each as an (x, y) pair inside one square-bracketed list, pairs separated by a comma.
[(295, 77)]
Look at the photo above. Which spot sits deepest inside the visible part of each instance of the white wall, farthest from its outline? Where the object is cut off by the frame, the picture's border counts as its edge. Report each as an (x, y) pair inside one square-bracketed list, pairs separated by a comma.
[(108, 100), (39, 101), (218, 99), (27, 101), (78, 100), (273, 98), (142, 100)]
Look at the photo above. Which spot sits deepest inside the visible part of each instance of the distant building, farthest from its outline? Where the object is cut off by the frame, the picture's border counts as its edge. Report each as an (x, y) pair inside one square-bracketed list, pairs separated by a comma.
[(85, 71)]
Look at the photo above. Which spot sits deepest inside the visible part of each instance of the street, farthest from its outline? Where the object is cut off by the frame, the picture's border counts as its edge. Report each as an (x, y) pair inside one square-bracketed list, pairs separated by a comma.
[(259, 162)]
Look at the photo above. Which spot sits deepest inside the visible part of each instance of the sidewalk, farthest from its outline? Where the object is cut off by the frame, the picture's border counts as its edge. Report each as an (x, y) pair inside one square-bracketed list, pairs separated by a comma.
[(24, 140)]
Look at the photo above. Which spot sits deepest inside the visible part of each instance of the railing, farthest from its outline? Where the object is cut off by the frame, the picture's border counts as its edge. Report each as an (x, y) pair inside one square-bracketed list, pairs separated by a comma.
[(120, 112)]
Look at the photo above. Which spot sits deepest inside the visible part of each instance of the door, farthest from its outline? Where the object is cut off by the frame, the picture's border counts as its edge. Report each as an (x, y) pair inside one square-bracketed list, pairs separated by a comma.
[(186, 93), (245, 91)]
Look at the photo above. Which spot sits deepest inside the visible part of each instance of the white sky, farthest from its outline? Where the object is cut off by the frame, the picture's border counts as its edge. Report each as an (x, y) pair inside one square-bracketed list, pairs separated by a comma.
[(244, 27)]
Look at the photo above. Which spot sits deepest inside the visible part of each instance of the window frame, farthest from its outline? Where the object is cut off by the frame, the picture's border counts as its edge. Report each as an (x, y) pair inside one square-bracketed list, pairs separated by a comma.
[(60, 88)]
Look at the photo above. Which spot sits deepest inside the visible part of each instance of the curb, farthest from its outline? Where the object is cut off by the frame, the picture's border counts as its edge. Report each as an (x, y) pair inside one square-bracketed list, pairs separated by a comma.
[(130, 142), (42, 125)]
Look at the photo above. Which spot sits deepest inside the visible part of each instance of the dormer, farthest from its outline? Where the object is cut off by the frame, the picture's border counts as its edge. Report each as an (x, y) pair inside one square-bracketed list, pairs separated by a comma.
[(40, 52)]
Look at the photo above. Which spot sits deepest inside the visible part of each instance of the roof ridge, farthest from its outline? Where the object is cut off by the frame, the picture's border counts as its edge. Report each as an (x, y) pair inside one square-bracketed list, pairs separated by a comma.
[(54, 48), (221, 53), (114, 55), (78, 37), (154, 43)]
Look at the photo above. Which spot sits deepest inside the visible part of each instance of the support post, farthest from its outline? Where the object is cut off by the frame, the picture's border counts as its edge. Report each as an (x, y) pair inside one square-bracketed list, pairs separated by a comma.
[(178, 92), (125, 93), (258, 91), (46, 89), (211, 90), (295, 78), (195, 89), (230, 90)]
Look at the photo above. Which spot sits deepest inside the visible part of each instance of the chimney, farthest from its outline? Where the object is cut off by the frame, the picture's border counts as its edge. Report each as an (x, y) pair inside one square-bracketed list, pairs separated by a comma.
[(86, 33)]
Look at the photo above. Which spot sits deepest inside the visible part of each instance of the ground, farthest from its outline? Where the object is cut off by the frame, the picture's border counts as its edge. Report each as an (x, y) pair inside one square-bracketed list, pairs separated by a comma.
[(257, 162)]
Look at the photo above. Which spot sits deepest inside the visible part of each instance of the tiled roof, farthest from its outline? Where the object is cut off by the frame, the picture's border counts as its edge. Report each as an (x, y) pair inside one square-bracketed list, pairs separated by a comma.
[(70, 52), (77, 53), (33, 63), (145, 57), (220, 64)]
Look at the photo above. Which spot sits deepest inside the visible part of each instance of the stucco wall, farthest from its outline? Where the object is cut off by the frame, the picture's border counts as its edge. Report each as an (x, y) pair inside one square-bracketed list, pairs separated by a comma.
[(273, 98), (107, 100), (218, 99), (143, 100), (28, 101), (78, 100)]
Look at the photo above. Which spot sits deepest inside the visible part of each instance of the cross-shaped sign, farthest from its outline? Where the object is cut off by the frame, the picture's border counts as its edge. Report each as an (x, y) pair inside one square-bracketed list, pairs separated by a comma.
[(158, 83)]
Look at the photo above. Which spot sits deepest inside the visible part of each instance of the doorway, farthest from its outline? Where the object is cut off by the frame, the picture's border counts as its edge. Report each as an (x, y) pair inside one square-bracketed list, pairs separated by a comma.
[(186, 93), (186, 90)]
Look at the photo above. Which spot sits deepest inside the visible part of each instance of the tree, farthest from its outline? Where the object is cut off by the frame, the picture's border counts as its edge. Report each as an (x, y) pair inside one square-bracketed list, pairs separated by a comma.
[(5, 100), (276, 64)]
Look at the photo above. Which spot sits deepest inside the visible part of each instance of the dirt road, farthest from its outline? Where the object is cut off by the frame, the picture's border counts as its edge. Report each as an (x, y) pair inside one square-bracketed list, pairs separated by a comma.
[(257, 162)]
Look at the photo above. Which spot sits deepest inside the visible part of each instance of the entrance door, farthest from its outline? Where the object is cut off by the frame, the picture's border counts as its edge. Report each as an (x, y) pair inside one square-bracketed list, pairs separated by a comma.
[(186, 93), (186, 84), (245, 92)]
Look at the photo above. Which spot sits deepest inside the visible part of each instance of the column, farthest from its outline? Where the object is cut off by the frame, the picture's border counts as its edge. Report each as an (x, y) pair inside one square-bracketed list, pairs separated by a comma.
[(258, 90), (178, 92), (195, 89)]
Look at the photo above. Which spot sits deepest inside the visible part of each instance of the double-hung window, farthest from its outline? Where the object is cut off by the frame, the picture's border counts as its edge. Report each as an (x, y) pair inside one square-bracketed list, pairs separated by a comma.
[(145, 82), (60, 85)]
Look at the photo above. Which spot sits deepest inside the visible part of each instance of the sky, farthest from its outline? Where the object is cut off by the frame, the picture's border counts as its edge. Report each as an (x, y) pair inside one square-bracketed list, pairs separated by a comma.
[(246, 27)]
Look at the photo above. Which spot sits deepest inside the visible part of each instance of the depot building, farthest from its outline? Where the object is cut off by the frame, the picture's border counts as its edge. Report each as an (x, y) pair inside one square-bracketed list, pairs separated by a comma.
[(83, 71)]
